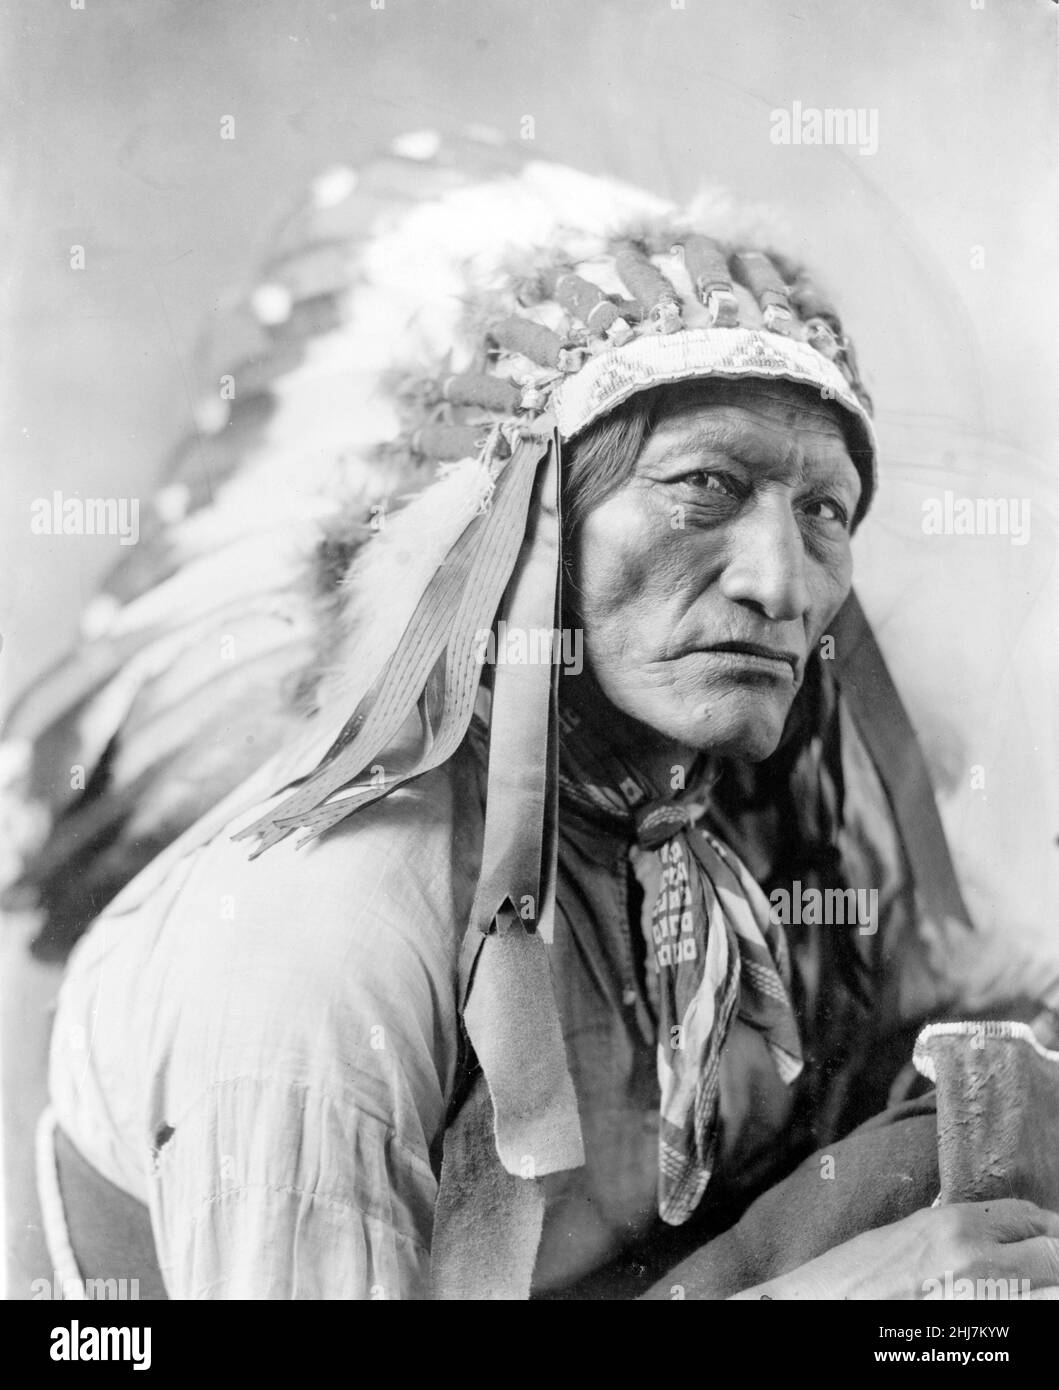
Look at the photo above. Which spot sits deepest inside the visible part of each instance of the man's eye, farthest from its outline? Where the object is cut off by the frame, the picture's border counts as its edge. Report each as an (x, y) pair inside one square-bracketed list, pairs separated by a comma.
[(721, 483), (828, 509)]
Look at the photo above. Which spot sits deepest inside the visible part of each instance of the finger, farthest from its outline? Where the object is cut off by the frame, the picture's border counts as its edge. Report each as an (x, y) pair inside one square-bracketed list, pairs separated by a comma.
[(1025, 1264), (1013, 1219), (1037, 1260)]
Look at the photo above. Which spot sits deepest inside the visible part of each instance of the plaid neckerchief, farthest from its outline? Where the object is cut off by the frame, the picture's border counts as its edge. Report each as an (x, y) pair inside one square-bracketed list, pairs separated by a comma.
[(718, 954)]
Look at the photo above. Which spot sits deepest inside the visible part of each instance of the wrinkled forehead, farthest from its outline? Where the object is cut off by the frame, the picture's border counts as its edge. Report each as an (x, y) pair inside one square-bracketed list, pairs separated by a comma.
[(766, 422), (779, 404)]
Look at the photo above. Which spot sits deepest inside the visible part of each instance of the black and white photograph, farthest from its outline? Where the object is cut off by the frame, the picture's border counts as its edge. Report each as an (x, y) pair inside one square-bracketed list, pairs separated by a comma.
[(528, 662)]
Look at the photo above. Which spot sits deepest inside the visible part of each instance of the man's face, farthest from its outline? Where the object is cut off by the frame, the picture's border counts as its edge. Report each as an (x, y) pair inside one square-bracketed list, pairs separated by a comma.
[(704, 582)]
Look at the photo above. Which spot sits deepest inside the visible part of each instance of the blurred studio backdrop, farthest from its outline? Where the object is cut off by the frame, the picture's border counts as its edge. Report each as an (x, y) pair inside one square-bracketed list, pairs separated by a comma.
[(934, 229)]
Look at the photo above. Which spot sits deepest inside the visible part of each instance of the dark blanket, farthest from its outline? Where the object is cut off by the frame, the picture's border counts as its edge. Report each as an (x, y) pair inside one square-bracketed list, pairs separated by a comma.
[(883, 1171)]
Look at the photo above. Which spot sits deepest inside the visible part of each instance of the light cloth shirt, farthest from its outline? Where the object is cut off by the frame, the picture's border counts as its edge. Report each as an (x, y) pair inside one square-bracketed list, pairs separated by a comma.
[(264, 1052)]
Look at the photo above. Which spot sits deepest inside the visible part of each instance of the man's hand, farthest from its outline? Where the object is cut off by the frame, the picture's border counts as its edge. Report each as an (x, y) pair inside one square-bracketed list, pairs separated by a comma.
[(1005, 1239)]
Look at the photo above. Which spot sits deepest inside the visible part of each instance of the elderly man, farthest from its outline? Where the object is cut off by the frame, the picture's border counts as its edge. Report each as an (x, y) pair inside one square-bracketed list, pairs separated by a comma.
[(513, 1016)]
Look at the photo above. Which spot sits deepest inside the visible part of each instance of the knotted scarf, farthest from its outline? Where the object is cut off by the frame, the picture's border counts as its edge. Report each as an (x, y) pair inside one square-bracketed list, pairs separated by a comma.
[(718, 954)]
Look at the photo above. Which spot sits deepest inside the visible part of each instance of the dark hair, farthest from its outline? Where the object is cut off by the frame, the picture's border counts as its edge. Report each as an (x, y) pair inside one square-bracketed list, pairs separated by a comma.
[(603, 457)]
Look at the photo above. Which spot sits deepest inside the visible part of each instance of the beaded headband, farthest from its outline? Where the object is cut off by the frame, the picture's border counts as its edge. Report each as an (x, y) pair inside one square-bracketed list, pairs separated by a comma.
[(582, 338)]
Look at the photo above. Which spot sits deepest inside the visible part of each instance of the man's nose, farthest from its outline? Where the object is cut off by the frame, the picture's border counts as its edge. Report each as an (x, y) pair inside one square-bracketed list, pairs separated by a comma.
[(767, 568)]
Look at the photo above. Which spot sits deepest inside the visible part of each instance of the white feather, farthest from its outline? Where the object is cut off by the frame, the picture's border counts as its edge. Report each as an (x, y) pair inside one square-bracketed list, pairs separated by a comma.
[(381, 590)]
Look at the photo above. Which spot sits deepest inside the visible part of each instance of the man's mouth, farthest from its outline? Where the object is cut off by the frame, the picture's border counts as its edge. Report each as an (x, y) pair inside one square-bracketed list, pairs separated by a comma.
[(757, 656)]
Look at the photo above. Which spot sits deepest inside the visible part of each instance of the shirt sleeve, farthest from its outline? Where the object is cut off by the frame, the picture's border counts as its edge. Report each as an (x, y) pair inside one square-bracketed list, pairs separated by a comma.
[(272, 1190), (302, 1056), (268, 1052)]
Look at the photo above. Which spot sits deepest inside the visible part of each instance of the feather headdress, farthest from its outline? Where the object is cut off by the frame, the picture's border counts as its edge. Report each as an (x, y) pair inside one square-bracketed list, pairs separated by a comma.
[(446, 310)]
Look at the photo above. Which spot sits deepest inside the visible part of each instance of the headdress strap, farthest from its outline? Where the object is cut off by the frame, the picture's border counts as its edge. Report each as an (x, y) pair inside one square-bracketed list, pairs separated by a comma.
[(517, 879), (505, 977), (436, 667)]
